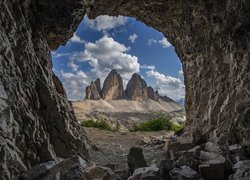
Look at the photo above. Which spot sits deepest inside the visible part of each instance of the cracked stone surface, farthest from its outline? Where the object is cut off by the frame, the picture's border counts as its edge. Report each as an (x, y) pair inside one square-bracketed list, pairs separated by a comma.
[(37, 123)]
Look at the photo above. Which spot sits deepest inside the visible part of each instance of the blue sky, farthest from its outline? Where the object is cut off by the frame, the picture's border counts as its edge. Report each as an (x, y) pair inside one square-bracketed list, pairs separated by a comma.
[(120, 43)]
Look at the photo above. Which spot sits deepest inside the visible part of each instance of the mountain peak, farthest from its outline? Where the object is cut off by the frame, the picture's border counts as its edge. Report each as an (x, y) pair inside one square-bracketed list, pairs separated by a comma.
[(137, 89), (113, 86)]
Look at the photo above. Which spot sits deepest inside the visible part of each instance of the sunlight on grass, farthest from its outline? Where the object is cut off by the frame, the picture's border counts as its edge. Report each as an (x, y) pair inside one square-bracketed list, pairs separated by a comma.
[(162, 123)]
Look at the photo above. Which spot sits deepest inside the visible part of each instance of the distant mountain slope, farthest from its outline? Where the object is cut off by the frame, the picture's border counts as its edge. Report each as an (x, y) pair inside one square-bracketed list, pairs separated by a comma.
[(126, 106), (138, 103), (127, 112), (136, 90)]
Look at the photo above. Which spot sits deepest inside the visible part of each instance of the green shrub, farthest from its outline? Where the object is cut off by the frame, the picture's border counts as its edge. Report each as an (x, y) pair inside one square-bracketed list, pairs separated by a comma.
[(100, 124), (162, 123)]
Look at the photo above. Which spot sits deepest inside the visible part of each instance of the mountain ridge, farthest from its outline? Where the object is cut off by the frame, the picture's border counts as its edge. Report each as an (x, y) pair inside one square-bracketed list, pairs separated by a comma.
[(136, 90)]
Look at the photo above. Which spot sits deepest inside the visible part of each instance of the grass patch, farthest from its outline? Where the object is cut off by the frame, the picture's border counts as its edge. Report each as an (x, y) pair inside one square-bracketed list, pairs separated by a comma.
[(162, 123), (100, 124)]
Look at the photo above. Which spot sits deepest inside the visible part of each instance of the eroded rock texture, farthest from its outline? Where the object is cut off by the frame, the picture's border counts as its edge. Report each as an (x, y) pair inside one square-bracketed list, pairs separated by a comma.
[(137, 88), (112, 87), (212, 41), (93, 91), (37, 123)]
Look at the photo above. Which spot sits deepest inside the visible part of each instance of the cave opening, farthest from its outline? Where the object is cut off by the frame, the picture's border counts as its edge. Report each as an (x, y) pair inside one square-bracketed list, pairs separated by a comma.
[(97, 68)]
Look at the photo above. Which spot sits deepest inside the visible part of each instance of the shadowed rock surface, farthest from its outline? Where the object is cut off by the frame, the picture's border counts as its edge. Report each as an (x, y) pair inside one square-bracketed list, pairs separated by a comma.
[(152, 94), (38, 123), (137, 88), (93, 91)]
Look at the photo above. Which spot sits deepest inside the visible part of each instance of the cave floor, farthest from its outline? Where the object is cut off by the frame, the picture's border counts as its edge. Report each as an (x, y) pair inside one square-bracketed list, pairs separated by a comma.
[(113, 147)]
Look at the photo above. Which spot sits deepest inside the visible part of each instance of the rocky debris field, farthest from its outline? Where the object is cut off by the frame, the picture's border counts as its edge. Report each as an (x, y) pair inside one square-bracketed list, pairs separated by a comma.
[(148, 156)]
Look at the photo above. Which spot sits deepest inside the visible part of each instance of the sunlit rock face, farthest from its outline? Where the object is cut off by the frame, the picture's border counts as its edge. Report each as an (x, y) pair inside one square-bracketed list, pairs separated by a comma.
[(112, 87), (37, 122)]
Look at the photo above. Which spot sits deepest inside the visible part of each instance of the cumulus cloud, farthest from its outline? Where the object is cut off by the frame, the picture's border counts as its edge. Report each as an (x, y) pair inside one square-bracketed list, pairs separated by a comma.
[(152, 41), (133, 37), (106, 54), (59, 55), (163, 42), (76, 39), (167, 85), (74, 83), (105, 22), (150, 67)]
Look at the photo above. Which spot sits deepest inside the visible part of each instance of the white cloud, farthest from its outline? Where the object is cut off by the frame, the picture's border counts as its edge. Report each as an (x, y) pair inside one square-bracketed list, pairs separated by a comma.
[(150, 67), (180, 72), (164, 42), (104, 55), (105, 22), (133, 37), (152, 41), (58, 55), (167, 85), (76, 39), (73, 66), (74, 83)]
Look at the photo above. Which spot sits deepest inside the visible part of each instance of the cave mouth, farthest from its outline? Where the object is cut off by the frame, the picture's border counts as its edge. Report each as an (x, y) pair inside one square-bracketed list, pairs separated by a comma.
[(127, 46), (121, 43)]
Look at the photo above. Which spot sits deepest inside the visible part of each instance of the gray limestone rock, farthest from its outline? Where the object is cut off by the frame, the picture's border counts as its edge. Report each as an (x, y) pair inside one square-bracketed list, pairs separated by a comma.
[(135, 159), (146, 173), (184, 173), (136, 88), (92, 91), (212, 170), (152, 94), (37, 122), (242, 171), (112, 87)]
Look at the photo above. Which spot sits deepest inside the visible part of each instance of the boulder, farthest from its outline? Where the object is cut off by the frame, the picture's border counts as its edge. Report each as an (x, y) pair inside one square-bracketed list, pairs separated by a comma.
[(135, 159), (194, 153), (212, 170), (112, 87), (212, 147), (72, 168), (95, 172), (236, 148), (38, 171), (188, 161), (242, 171), (182, 143), (209, 156), (183, 173), (136, 88), (166, 166), (146, 173)]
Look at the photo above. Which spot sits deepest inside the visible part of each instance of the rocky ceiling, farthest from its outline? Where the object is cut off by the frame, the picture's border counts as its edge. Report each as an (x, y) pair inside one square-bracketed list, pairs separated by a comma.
[(37, 123)]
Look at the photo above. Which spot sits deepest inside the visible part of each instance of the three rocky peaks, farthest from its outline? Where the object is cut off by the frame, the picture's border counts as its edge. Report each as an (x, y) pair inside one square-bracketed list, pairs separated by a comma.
[(137, 89)]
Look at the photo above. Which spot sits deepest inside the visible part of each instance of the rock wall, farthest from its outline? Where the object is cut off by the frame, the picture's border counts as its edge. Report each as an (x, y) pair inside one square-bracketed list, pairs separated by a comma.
[(212, 40), (36, 121)]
